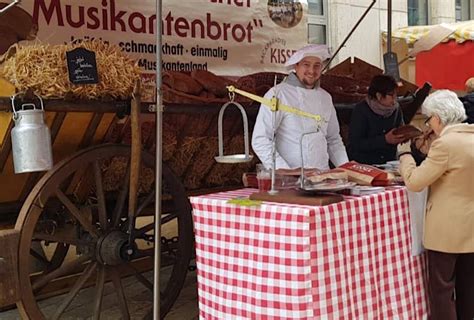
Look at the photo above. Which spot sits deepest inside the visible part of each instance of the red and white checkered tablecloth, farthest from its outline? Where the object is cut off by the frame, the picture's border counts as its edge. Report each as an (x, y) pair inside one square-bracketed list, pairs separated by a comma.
[(349, 260)]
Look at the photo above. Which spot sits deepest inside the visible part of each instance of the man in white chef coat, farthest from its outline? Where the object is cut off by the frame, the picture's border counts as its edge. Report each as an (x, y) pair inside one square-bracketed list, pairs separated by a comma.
[(300, 90)]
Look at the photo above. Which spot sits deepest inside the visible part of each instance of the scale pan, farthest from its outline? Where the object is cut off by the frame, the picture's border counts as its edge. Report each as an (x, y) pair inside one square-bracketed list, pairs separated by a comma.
[(234, 158)]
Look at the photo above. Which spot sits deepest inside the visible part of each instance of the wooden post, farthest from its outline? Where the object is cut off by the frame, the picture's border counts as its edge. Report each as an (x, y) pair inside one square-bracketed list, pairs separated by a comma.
[(135, 158), (9, 286)]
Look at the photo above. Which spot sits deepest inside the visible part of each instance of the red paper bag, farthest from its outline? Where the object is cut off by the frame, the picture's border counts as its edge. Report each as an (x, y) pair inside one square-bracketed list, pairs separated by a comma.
[(366, 175)]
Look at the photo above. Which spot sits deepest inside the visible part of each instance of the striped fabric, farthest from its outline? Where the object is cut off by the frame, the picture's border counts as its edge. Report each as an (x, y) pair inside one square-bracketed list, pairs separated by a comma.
[(463, 31), (349, 260)]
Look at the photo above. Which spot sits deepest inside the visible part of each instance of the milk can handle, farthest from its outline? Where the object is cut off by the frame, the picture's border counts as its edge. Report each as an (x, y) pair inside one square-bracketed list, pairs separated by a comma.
[(15, 111)]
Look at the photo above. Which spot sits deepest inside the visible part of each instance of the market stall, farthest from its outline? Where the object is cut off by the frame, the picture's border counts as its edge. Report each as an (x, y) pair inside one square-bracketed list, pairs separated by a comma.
[(446, 65), (350, 259), (85, 208)]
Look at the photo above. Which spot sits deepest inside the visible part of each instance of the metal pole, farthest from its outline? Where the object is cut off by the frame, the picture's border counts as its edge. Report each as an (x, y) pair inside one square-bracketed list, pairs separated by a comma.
[(389, 26), (272, 190), (158, 169), (11, 5)]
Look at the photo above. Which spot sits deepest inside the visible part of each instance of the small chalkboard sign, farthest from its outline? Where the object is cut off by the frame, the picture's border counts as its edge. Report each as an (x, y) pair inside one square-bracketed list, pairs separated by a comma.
[(82, 66), (390, 62)]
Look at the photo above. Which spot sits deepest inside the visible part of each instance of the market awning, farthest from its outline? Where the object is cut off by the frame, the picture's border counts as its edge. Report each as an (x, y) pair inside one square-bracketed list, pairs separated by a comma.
[(463, 31), (446, 65)]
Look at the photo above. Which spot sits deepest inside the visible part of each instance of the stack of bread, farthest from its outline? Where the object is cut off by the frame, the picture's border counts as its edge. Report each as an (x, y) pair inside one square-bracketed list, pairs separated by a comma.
[(329, 176), (200, 86)]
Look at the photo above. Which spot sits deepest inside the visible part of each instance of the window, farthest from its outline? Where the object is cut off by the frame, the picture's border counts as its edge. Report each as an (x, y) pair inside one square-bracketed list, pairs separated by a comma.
[(317, 21), (417, 12), (317, 33), (316, 7), (463, 10)]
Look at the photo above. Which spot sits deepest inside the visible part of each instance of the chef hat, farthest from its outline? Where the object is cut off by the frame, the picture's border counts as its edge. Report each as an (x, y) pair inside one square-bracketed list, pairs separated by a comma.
[(312, 50)]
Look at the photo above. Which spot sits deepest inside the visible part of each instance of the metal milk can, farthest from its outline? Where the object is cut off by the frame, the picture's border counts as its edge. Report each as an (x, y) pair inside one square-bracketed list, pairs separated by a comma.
[(31, 139)]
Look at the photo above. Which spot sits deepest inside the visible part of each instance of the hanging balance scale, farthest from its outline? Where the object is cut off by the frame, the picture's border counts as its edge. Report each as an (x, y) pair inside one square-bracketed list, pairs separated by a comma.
[(274, 105)]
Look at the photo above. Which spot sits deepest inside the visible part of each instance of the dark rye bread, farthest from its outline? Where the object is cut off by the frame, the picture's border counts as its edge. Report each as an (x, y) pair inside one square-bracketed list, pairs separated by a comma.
[(182, 82), (19, 22), (212, 83), (407, 131)]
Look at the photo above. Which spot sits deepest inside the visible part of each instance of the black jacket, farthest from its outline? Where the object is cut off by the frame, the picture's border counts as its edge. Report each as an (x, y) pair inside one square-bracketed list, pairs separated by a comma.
[(367, 135), (468, 102)]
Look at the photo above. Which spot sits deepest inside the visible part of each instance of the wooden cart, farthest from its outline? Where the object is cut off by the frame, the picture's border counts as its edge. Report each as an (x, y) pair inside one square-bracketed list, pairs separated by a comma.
[(71, 222)]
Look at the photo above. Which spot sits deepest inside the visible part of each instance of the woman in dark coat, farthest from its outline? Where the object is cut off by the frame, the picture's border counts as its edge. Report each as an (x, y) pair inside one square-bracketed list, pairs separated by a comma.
[(371, 137), (468, 100)]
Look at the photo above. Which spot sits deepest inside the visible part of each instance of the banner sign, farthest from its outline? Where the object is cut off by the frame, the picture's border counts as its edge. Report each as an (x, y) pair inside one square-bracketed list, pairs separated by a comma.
[(227, 37)]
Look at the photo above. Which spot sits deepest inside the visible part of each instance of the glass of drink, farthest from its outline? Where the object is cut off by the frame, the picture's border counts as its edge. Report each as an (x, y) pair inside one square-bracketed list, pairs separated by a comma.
[(264, 178)]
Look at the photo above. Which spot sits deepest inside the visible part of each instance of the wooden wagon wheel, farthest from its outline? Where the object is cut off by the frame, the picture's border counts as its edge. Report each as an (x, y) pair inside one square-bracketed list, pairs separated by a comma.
[(78, 214)]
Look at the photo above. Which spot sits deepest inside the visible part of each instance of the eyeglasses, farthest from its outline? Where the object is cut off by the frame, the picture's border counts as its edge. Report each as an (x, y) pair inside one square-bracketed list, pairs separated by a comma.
[(427, 121)]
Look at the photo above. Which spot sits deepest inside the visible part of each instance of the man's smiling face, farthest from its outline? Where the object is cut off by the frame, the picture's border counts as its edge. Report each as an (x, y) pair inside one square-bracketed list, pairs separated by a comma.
[(308, 70)]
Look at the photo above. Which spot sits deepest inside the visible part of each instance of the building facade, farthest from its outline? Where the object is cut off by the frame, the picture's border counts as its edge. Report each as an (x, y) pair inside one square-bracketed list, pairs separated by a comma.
[(330, 21)]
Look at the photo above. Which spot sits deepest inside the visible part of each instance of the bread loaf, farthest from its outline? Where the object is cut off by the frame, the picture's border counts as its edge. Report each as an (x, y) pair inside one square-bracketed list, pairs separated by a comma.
[(182, 82), (407, 131), (212, 83), (330, 175)]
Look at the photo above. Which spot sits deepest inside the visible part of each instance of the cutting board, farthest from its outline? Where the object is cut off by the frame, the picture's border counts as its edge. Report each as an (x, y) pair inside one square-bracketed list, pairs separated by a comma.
[(297, 197)]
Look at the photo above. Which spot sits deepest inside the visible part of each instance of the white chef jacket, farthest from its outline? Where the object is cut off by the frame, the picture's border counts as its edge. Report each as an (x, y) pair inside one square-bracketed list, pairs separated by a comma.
[(318, 148)]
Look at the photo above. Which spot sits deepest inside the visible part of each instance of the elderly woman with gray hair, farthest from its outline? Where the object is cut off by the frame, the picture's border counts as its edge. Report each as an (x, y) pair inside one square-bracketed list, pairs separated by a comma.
[(448, 171)]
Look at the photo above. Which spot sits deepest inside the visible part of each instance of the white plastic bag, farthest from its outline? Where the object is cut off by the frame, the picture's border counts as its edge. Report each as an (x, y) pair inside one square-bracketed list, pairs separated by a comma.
[(417, 207)]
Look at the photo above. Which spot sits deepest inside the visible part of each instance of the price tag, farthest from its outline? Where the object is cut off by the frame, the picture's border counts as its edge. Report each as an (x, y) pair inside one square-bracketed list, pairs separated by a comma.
[(245, 202), (82, 66)]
